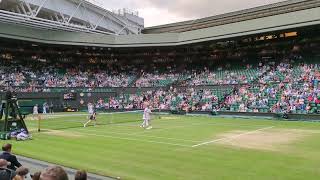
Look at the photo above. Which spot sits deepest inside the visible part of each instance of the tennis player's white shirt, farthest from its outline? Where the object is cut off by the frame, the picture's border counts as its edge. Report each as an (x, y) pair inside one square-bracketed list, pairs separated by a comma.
[(35, 109), (146, 117), (90, 109), (146, 114)]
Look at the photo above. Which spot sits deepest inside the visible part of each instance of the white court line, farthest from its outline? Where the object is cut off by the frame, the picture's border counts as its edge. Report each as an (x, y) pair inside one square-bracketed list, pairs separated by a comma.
[(138, 135), (232, 137), (200, 124), (175, 127), (163, 129), (133, 139)]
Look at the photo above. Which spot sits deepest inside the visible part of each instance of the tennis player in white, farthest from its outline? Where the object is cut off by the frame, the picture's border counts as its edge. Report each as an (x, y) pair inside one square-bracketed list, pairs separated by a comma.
[(91, 116), (146, 118), (36, 115)]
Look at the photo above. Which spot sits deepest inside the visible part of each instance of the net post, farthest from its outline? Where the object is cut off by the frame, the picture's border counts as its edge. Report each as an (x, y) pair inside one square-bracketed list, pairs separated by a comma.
[(111, 118), (39, 125)]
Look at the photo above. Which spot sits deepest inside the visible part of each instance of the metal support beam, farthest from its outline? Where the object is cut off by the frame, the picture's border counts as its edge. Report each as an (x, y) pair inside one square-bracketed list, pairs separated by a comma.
[(120, 21), (62, 16), (121, 30), (29, 8), (75, 11), (39, 8), (85, 16), (56, 16), (18, 10), (99, 21), (23, 9)]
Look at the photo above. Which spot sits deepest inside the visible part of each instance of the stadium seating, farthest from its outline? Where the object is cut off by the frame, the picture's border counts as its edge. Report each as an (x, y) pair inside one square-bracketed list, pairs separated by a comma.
[(286, 85)]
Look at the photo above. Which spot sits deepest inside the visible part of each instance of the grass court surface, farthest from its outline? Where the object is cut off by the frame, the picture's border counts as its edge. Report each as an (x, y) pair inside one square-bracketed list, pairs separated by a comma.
[(178, 147)]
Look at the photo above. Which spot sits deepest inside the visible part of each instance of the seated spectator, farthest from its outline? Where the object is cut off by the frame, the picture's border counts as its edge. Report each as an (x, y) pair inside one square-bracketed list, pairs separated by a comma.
[(5, 173), (23, 173), (242, 108), (14, 163), (36, 175), (54, 173), (293, 109), (308, 108), (80, 175)]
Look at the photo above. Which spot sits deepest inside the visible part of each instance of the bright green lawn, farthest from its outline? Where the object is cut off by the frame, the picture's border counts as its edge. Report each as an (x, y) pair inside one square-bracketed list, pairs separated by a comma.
[(166, 151)]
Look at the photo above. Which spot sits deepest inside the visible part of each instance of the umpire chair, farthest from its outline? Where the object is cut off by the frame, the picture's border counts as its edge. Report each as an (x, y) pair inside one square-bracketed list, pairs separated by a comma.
[(10, 116)]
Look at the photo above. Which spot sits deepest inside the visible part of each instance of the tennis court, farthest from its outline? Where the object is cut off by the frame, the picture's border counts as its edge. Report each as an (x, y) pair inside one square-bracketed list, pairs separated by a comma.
[(178, 147)]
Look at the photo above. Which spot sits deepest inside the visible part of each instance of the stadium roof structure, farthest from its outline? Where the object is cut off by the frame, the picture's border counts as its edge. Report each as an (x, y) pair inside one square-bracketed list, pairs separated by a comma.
[(69, 15), (237, 16), (298, 14)]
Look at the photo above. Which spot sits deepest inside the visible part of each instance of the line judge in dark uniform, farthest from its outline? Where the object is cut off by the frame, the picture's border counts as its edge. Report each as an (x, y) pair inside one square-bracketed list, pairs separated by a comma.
[(14, 163)]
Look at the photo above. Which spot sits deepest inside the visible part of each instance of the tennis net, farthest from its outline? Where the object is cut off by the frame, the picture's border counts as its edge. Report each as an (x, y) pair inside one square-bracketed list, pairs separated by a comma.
[(76, 120)]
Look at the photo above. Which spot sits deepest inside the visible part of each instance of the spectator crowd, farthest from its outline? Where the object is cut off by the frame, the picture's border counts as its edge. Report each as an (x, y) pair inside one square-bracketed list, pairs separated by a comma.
[(12, 169), (285, 86), (289, 84), (169, 99)]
